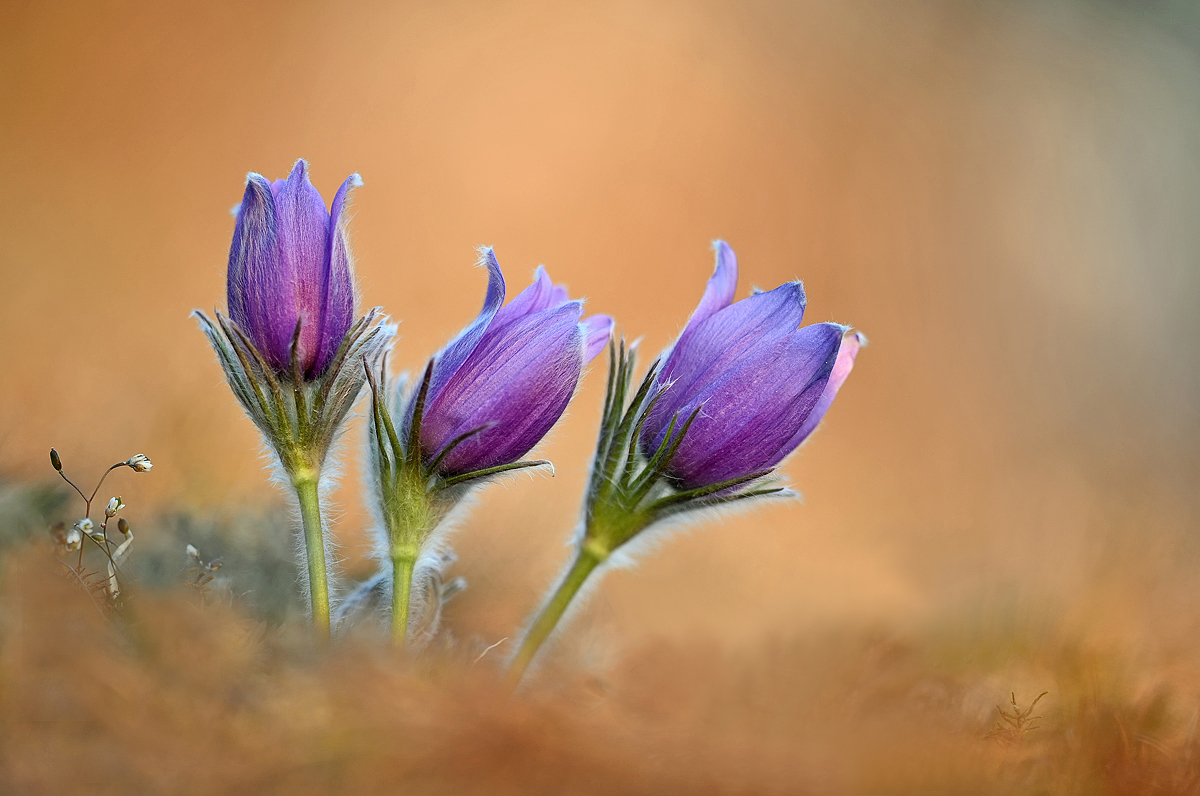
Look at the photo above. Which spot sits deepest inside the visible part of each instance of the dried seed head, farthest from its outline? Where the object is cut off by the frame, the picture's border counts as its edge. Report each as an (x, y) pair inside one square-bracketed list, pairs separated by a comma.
[(55, 461), (114, 505), (139, 463)]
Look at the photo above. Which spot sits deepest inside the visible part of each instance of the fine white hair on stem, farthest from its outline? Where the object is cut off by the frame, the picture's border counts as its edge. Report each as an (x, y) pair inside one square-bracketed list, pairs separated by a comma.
[(434, 556), (628, 556), (373, 597), (577, 604), (331, 472), (650, 540), (366, 599)]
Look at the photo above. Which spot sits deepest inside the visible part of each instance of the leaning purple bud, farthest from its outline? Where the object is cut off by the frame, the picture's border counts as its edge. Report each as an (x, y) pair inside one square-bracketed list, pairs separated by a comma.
[(290, 263), (508, 376), (756, 382)]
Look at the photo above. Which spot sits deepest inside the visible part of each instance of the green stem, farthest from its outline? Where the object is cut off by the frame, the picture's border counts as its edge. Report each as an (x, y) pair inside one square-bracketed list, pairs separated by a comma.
[(586, 561), (314, 548), (402, 573)]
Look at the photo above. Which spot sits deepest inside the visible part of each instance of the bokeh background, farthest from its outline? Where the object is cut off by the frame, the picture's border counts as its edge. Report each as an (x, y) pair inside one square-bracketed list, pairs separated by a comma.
[(1002, 195)]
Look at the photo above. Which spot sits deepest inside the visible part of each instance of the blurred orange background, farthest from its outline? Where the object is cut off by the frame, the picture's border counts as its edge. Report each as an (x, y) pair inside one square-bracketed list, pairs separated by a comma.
[(1003, 196)]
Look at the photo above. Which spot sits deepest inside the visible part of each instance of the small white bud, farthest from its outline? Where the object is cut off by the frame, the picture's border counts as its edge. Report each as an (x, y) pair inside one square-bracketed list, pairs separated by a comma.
[(86, 526), (193, 555), (74, 538), (114, 505), (140, 463)]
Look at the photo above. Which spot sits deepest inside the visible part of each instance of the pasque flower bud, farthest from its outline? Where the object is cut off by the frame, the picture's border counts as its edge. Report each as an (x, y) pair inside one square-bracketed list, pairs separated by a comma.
[(292, 352), (484, 402), (741, 388), (289, 264), (506, 379), (756, 381)]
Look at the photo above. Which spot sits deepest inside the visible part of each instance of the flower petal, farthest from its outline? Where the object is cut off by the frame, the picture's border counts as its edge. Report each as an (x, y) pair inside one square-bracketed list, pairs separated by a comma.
[(597, 330), (303, 253), (559, 295), (253, 283), (454, 354), (722, 285), (749, 415), (539, 295), (516, 383), (338, 311), (851, 343), (447, 361), (710, 349)]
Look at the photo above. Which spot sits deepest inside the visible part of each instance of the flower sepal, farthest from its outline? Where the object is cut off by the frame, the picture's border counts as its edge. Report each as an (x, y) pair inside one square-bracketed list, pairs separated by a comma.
[(413, 495), (629, 492), (299, 417)]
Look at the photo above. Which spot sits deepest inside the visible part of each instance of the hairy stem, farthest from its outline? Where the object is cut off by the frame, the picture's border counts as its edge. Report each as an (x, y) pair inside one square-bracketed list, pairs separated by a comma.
[(314, 548), (586, 562), (402, 574)]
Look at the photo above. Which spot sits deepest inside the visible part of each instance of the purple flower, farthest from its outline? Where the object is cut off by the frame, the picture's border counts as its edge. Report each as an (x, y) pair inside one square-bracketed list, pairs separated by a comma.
[(509, 375), (290, 263), (761, 383)]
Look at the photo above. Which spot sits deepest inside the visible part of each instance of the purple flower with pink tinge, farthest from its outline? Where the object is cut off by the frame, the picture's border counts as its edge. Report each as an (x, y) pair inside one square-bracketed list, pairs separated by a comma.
[(509, 375), (290, 263), (760, 382)]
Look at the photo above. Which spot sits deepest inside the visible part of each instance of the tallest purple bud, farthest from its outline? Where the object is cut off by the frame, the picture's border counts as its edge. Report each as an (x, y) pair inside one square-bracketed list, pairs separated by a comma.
[(290, 264)]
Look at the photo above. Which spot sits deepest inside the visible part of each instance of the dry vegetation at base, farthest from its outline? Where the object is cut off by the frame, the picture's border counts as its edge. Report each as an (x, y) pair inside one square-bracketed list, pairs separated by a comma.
[(177, 696), (1001, 194)]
